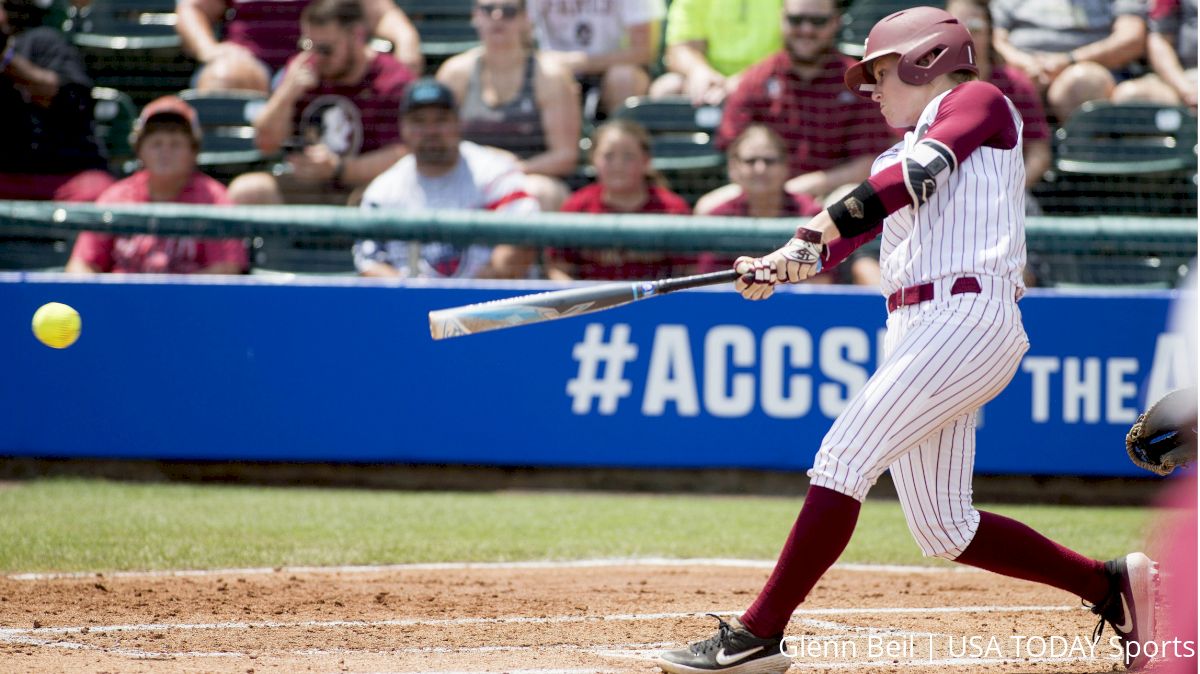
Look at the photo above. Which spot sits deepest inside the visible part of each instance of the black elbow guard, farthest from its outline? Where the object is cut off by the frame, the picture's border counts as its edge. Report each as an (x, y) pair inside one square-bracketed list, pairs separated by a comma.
[(926, 169)]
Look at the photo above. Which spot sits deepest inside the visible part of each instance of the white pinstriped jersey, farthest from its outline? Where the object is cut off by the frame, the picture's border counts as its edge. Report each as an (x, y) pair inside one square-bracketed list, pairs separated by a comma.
[(973, 225)]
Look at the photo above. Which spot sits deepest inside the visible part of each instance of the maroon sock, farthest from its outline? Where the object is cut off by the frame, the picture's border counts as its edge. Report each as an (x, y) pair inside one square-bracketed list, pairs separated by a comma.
[(1007, 547), (818, 538)]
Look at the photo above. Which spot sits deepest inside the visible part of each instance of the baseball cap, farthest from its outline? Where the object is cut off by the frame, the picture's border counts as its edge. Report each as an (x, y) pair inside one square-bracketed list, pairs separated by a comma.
[(425, 93), (173, 106)]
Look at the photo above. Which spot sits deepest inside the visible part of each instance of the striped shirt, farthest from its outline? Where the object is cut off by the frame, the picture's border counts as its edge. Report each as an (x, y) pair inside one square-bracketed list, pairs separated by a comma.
[(975, 223)]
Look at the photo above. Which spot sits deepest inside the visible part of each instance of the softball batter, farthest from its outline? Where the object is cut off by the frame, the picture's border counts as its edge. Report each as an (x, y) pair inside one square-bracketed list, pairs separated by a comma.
[(949, 202)]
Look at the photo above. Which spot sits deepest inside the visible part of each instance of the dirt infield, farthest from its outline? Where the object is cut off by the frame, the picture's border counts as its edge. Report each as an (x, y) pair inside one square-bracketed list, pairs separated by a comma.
[(587, 617)]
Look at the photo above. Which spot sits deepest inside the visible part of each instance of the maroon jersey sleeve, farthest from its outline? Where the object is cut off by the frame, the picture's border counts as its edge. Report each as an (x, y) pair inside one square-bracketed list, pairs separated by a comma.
[(1022, 92), (972, 115)]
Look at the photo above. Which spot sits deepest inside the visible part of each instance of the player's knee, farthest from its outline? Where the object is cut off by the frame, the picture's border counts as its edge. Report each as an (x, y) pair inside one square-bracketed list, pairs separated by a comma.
[(831, 471), (946, 535)]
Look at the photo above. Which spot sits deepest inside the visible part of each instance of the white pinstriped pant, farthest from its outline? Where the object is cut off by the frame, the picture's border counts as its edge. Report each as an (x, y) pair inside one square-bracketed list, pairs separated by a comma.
[(943, 359)]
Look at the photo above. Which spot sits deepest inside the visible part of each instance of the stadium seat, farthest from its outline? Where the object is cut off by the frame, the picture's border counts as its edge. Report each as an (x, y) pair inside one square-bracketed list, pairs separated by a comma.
[(115, 114), (131, 45), (1104, 138), (682, 142), (860, 17), (444, 25), (1137, 158), (282, 254), (227, 118), (30, 248)]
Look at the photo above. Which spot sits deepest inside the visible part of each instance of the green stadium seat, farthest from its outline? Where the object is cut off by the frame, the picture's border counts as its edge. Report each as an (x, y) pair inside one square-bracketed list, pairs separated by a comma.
[(674, 114), (131, 45), (29, 249), (1136, 158), (860, 17), (227, 118), (1104, 138), (444, 25), (682, 142), (276, 255), (115, 115)]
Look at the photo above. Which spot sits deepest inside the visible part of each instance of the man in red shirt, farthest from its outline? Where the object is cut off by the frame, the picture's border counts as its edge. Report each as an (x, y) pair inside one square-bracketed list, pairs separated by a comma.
[(831, 134), (338, 103), (257, 37), (167, 140)]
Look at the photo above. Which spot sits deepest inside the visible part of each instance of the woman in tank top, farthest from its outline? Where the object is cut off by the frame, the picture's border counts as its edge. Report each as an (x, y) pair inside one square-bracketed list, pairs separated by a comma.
[(512, 98)]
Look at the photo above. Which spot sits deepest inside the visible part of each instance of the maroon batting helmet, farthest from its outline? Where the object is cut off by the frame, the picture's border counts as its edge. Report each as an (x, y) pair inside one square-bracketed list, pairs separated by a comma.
[(914, 34)]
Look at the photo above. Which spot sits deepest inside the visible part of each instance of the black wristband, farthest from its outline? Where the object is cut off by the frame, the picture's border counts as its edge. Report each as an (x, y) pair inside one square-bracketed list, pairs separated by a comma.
[(858, 211)]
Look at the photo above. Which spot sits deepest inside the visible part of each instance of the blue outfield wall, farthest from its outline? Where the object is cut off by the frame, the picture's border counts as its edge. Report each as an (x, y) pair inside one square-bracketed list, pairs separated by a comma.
[(344, 370)]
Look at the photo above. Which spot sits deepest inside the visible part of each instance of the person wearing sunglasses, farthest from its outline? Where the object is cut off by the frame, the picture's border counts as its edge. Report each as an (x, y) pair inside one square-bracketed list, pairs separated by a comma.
[(608, 45), (832, 136), (515, 98), (259, 36), (710, 43), (757, 164), (335, 107)]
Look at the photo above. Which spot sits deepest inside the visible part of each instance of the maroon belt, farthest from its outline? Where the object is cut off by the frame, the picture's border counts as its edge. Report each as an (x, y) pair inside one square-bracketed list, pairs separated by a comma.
[(924, 292)]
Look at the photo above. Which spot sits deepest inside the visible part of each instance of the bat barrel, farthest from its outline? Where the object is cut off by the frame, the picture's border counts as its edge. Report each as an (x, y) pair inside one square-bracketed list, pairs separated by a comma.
[(547, 306)]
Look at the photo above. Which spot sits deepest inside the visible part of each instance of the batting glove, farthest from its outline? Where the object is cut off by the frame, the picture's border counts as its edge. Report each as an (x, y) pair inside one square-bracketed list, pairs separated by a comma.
[(800, 258), (796, 261), (757, 281)]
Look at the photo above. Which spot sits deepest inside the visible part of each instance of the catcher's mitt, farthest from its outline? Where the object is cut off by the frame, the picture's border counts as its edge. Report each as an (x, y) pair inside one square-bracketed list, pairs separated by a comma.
[(1164, 436)]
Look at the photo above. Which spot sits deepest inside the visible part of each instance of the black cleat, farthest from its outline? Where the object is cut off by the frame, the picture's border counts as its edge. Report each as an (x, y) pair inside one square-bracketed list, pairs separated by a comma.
[(733, 650), (1129, 606)]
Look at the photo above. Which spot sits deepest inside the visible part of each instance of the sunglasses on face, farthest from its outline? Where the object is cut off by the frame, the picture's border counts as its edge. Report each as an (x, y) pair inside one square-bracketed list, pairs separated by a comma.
[(507, 12), (306, 44), (814, 20), (767, 161)]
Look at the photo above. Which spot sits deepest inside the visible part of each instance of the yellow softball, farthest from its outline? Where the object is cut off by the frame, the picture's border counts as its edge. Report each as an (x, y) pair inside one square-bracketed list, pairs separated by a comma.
[(56, 325)]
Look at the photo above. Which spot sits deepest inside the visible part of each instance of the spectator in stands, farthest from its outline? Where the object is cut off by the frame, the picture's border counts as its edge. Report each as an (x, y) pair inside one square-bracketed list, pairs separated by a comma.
[(608, 45), (1070, 48), (336, 107), (625, 183), (758, 166), (517, 99), (710, 43), (261, 35), (1171, 50), (167, 140), (444, 172), (832, 135), (48, 149), (1013, 83)]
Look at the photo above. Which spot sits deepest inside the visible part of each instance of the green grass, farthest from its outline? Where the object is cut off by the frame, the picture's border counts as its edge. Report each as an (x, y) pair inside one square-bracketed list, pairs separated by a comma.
[(95, 525)]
